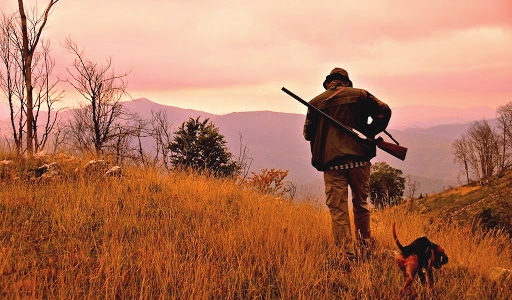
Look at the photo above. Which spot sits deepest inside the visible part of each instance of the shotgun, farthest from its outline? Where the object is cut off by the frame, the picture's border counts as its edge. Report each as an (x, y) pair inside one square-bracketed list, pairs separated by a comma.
[(394, 149)]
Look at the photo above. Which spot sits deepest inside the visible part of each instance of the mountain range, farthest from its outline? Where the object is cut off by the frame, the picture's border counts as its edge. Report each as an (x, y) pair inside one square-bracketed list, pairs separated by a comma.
[(274, 140)]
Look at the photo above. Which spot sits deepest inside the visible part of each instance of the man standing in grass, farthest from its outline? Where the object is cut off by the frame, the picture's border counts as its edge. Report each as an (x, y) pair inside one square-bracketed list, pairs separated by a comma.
[(344, 159)]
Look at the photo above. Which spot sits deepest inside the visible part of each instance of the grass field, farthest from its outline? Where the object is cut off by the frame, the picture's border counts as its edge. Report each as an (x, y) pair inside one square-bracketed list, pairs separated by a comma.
[(153, 235)]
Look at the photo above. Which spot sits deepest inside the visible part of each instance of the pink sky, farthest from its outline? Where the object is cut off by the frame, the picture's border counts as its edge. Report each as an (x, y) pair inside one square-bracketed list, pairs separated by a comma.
[(235, 55)]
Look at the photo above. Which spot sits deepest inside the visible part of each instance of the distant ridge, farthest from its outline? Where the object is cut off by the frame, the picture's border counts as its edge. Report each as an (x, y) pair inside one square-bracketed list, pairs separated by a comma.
[(428, 116), (404, 117)]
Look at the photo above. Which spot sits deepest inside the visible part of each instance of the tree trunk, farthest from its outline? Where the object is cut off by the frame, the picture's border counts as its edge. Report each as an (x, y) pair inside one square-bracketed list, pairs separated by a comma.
[(27, 72), (27, 55)]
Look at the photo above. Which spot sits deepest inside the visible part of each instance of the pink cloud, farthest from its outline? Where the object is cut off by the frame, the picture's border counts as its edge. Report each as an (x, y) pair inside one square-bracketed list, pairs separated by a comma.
[(426, 47)]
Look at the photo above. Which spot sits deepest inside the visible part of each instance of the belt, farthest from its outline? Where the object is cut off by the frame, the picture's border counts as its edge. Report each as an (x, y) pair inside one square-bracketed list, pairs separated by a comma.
[(350, 165)]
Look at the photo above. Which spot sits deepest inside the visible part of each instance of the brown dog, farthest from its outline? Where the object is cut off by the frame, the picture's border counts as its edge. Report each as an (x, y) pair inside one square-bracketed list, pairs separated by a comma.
[(414, 258)]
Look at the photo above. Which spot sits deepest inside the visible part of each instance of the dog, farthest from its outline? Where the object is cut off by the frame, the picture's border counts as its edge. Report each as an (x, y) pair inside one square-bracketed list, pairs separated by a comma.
[(419, 255)]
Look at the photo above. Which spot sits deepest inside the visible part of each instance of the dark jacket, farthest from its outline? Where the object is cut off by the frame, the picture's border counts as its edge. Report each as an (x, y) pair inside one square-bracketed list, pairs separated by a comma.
[(331, 145)]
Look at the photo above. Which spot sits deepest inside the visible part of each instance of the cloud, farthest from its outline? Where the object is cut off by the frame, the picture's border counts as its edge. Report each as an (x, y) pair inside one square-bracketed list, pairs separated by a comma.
[(179, 46), (449, 51)]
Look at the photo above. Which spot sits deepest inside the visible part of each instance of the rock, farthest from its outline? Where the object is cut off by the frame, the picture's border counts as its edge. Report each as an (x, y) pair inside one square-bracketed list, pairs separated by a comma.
[(114, 172), (48, 171), (96, 167)]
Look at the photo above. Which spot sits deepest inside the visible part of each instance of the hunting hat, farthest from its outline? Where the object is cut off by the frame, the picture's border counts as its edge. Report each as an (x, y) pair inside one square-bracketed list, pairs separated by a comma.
[(337, 74)]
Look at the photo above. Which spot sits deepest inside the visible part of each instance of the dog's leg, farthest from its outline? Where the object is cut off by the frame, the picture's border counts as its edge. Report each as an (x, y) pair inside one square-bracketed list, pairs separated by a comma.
[(409, 268), (430, 279), (421, 275), (430, 274), (407, 286)]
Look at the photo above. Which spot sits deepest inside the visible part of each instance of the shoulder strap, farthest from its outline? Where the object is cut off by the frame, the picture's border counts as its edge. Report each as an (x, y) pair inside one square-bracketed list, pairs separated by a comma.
[(326, 100), (341, 89)]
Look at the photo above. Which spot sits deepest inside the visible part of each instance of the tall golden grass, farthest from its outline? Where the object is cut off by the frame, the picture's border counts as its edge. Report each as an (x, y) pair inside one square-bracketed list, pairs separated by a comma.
[(153, 235)]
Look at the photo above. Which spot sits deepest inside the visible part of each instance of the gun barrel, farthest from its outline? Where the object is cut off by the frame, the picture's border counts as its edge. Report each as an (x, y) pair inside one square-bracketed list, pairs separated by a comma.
[(349, 130)]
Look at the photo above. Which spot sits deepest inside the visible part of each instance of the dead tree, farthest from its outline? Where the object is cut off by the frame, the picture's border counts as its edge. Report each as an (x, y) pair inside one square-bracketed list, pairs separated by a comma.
[(11, 79), (486, 143), (505, 125), (46, 97), (128, 144), (93, 125), (463, 155), (479, 150), (161, 131), (412, 187), (31, 30)]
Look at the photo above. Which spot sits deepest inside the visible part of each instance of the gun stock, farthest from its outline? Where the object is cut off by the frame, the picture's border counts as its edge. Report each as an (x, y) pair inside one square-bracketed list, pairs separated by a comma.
[(393, 149)]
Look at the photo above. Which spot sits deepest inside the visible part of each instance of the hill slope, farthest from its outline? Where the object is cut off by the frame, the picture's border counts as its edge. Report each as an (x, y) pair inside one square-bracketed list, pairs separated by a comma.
[(487, 206), (158, 235)]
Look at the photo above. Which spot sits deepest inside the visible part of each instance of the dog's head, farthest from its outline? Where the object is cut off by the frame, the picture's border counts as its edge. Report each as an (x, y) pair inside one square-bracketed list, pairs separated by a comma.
[(440, 257)]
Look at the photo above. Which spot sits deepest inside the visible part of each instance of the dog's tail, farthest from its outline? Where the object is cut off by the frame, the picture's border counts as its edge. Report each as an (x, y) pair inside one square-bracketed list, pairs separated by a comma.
[(396, 239)]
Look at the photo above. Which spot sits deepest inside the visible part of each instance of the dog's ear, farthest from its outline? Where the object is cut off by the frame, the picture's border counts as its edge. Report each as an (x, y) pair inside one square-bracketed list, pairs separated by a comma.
[(440, 257), (441, 252), (444, 257)]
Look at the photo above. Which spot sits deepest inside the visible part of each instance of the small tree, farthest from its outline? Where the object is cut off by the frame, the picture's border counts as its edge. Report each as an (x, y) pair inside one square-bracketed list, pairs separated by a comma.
[(412, 187), (479, 150), (30, 39), (271, 182), (26, 78), (94, 126), (386, 185), (199, 146), (486, 142), (505, 125), (463, 155), (160, 130)]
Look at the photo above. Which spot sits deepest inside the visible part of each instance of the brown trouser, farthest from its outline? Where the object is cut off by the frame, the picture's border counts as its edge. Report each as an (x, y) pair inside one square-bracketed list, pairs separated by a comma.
[(337, 183)]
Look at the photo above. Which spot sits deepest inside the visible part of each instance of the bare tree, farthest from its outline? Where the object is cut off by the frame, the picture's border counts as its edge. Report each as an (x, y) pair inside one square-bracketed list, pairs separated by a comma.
[(46, 96), (93, 125), (479, 150), (139, 132), (161, 131), (57, 139), (462, 151), (128, 142), (505, 125), (31, 30), (25, 78), (412, 187), (11, 79), (486, 143), (245, 163)]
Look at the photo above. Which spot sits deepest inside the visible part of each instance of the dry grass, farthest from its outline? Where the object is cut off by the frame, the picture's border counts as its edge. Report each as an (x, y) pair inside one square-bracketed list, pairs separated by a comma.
[(462, 190), (153, 235)]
